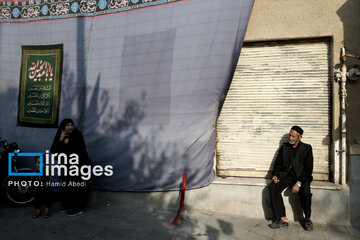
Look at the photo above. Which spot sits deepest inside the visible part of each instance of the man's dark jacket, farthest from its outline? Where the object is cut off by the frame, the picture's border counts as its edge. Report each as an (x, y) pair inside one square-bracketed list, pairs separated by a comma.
[(302, 163)]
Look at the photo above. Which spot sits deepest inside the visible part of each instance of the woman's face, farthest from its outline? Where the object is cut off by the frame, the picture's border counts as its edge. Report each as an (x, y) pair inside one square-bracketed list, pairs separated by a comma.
[(69, 128), (37, 162)]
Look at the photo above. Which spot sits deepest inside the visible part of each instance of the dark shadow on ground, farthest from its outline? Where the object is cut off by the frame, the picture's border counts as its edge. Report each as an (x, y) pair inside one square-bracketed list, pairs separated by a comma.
[(266, 201)]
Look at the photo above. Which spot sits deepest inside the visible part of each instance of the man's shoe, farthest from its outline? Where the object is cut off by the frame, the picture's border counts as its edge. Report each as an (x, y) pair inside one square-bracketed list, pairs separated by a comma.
[(279, 224), (72, 213), (308, 226), (62, 210)]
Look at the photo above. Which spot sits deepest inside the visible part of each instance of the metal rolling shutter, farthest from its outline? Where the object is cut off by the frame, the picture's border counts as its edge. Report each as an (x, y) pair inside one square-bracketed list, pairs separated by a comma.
[(275, 85)]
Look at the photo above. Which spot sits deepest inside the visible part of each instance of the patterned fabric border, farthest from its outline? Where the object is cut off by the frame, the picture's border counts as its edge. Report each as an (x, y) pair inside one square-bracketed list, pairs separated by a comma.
[(39, 10)]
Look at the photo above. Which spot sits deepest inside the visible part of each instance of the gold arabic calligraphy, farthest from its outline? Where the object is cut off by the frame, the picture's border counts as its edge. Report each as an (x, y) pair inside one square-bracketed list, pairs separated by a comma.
[(39, 99), (40, 68)]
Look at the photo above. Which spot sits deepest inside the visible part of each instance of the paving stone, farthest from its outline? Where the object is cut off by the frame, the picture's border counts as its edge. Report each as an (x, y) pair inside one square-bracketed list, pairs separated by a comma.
[(118, 222)]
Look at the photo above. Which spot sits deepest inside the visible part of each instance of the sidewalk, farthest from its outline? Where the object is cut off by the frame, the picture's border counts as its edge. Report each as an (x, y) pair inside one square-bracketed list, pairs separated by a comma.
[(119, 222)]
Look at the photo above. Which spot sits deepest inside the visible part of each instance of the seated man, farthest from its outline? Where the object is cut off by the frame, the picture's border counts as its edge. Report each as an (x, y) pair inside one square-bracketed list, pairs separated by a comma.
[(293, 168)]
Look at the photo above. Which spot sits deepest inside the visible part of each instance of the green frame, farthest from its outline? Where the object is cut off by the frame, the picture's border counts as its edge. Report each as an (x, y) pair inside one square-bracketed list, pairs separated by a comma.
[(40, 86)]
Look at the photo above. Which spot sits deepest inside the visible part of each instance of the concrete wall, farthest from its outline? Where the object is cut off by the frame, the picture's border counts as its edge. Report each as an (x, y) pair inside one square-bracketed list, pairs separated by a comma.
[(340, 20), (293, 19), (328, 206), (355, 185)]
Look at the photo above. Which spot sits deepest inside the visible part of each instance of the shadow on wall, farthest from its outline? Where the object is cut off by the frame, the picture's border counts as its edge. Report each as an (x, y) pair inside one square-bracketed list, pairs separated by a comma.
[(266, 202), (125, 132), (138, 159), (137, 152), (9, 104), (73, 85), (69, 93), (349, 15), (82, 48), (28, 139)]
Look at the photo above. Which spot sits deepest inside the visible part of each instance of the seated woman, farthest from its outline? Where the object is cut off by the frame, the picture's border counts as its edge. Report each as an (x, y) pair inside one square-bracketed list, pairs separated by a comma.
[(74, 190)]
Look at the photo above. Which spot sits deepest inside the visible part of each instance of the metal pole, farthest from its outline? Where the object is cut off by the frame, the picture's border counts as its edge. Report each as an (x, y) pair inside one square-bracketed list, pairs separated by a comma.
[(343, 116)]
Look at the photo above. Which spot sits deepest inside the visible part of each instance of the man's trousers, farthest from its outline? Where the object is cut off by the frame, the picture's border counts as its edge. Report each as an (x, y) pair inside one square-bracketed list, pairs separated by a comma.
[(277, 200)]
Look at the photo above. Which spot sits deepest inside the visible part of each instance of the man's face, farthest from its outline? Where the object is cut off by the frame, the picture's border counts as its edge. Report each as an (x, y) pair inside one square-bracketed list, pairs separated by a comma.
[(294, 137)]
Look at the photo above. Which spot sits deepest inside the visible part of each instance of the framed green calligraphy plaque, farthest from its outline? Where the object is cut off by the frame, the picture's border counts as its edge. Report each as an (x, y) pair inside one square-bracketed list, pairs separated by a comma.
[(40, 86)]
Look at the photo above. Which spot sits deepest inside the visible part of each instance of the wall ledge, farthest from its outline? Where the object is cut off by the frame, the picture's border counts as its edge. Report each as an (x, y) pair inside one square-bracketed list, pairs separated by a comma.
[(354, 149), (262, 182)]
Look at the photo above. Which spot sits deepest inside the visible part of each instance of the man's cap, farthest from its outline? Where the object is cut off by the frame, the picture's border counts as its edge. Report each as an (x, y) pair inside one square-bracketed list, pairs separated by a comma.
[(298, 129)]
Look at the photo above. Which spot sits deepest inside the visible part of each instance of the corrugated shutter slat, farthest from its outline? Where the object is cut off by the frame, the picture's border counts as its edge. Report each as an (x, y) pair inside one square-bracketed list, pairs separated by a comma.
[(275, 86)]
